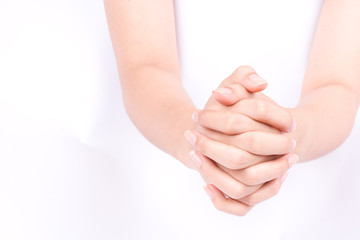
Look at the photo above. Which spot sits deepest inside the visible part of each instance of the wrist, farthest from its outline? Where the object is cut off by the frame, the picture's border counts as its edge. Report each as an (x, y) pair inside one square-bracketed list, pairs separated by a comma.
[(303, 132), (180, 147)]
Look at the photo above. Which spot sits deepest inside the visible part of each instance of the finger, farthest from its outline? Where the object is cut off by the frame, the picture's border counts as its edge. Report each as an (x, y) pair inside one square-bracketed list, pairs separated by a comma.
[(224, 204), (263, 172), (267, 191), (226, 155), (230, 122), (247, 77), (268, 113), (214, 175), (231, 94), (263, 143), (255, 142)]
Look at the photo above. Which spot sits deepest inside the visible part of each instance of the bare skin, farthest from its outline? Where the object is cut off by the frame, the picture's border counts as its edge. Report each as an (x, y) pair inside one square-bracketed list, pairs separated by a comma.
[(144, 40)]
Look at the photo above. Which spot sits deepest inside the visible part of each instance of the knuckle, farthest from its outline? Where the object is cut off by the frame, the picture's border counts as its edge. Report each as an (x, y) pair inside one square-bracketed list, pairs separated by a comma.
[(242, 212), (238, 192), (238, 161), (252, 200), (218, 205), (252, 142), (231, 123), (260, 109), (273, 189), (241, 70), (201, 144), (244, 68), (250, 177)]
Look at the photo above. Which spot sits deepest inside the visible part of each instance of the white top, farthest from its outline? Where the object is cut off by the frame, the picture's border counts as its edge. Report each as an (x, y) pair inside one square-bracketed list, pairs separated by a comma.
[(73, 166)]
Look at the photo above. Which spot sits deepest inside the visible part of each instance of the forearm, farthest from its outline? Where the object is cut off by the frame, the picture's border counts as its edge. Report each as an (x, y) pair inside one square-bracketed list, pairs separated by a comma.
[(143, 34), (331, 89), (324, 119), (159, 107)]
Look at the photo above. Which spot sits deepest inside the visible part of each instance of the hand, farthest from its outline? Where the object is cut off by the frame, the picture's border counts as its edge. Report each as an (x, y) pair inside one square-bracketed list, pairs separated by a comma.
[(220, 139)]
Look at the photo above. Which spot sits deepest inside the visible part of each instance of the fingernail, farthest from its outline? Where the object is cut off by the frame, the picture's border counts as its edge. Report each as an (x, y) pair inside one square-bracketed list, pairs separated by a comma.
[(292, 160), (223, 91), (283, 178), (196, 158), (293, 144), (293, 127), (257, 80), (209, 192), (195, 117), (190, 137)]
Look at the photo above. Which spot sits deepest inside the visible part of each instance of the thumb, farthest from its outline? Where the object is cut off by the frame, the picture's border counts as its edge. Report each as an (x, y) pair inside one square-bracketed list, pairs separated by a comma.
[(247, 77), (230, 94), (239, 85)]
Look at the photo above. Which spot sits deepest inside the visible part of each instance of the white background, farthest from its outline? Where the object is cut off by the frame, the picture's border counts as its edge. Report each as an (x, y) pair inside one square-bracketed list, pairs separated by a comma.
[(72, 165)]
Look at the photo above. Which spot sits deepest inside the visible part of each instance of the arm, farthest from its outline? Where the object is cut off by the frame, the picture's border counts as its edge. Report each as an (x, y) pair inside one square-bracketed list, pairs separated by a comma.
[(331, 89), (144, 40)]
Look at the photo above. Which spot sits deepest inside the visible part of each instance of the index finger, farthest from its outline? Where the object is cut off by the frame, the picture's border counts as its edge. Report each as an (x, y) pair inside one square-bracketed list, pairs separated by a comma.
[(267, 112)]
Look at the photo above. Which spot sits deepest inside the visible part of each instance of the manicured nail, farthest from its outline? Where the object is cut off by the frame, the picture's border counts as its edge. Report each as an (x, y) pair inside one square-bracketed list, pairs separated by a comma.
[(283, 178), (293, 127), (223, 91), (196, 158), (257, 80), (190, 137), (209, 192), (292, 160), (195, 116), (293, 144)]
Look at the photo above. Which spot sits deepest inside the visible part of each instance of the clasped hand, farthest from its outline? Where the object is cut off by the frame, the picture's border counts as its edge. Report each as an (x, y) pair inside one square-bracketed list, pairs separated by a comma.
[(241, 144)]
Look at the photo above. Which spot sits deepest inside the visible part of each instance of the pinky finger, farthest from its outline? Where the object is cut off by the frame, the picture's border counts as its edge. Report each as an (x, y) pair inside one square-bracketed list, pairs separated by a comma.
[(268, 190), (226, 204)]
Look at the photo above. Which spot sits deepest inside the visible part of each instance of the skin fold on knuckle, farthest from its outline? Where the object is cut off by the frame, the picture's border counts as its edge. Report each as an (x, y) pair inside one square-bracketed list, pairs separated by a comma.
[(242, 212), (260, 109), (241, 72), (252, 142), (231, 124), (238, 191), (250, 177), (273, 189), (237, 161), (251, 200), (240, 209), (244, 69), (219, 205)]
